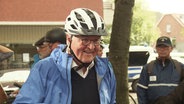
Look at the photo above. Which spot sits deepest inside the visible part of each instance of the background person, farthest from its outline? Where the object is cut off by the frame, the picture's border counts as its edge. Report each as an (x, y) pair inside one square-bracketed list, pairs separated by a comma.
[(55, 37), (5, 53), (48, 43), (43, 50), (100, 52), (76, 76), (175, 97), (162, 79)]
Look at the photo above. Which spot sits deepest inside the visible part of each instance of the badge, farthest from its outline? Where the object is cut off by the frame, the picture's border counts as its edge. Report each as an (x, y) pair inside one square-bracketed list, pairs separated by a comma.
[(153, 78)]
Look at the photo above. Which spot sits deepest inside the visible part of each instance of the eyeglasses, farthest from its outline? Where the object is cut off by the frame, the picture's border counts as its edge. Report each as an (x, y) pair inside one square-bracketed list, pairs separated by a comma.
[(86, 41), (45, 44)]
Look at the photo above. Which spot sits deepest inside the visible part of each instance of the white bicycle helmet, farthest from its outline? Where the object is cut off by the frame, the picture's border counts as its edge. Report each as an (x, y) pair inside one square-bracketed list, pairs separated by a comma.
[(83, 21)]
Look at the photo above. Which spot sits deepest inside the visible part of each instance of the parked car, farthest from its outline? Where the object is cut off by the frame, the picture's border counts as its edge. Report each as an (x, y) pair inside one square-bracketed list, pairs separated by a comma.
[(138, 57), (11, 76)]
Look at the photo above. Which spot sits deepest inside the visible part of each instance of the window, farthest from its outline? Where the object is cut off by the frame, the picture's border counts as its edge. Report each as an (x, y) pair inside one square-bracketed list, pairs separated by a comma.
[(168, 28)]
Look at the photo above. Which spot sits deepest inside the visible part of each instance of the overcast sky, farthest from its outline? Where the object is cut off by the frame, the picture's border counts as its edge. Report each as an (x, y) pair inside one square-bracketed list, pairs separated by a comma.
[(167, 6)]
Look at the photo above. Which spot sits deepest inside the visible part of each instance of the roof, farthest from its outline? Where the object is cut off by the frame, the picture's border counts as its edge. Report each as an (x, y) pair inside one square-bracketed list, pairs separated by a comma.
[(41, 10), (177, 17), (141, 48)]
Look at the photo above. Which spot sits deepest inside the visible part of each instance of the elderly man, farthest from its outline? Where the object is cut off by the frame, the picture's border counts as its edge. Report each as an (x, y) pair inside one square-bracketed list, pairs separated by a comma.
[(73, 74)]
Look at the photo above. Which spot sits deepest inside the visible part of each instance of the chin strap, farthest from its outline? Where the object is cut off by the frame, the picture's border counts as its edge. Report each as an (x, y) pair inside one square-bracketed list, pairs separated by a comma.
[(81, 66)]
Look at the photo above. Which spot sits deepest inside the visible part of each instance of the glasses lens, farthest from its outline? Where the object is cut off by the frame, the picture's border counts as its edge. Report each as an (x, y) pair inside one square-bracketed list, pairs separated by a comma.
[(85, 41), (97, 42)]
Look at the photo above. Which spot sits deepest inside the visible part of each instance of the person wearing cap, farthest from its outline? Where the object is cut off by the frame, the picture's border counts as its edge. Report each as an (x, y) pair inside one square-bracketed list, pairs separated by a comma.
[(73, 74), (55, 37), (163, 77), (43, 50), (48, 43), (5, 53)]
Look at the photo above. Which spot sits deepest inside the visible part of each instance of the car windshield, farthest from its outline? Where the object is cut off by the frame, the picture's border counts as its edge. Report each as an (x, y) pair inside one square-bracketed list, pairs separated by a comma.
[(11, 76), (138, 58)]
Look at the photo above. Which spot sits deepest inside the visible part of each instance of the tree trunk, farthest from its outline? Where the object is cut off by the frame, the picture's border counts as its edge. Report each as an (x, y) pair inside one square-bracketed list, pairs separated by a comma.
[(119, 47)]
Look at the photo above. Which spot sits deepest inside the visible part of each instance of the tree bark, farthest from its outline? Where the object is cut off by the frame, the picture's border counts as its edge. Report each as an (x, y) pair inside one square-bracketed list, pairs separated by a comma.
[(119, 47)]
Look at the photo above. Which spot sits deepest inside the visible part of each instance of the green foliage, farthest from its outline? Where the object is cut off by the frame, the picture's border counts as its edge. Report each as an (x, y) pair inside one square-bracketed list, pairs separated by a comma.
[(106, 39), (143, 28)]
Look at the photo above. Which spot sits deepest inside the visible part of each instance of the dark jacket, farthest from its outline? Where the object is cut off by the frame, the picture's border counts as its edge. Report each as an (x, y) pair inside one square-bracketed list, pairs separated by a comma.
[(175, 97), (163, 80)]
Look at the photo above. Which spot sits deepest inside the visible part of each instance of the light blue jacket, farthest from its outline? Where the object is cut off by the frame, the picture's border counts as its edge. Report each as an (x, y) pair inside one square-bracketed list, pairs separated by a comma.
[(36, 58), (50, 81)]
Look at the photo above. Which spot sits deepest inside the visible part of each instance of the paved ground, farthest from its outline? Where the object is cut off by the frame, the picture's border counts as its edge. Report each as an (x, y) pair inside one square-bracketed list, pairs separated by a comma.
[(134, 96)]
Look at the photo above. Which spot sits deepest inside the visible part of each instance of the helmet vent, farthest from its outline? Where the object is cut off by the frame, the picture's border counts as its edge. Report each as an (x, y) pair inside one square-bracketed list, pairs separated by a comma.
[(92, 17), (84, 26), (69, 19), (79, 17), (73, 26), (102, 26)]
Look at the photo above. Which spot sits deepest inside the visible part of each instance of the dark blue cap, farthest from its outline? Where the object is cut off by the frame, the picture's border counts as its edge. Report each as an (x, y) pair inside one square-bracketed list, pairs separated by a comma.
[(163, 40)]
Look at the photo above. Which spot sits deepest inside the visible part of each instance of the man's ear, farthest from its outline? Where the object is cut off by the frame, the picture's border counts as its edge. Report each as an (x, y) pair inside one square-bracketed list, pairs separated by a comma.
[(68, 39), (171, 49)]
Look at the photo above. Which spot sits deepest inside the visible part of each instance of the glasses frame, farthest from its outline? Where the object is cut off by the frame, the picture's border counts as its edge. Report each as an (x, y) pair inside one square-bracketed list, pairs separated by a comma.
[(86, 41), (44, 45)]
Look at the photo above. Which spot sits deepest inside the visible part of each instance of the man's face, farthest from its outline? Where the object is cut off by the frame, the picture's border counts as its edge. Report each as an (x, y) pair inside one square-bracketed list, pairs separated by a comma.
[(164, 51), (44, 50), (85, 47)]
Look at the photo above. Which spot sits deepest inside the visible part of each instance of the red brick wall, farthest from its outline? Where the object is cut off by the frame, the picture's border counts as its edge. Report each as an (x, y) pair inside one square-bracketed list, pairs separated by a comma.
[(176, 28)]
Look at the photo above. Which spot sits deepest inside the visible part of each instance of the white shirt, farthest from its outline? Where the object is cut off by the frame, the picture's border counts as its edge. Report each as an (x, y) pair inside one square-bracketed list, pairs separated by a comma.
[(80, 72)]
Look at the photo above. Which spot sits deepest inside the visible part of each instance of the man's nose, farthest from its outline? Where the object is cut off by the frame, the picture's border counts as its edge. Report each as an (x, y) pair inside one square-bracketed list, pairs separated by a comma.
[(91, 45)]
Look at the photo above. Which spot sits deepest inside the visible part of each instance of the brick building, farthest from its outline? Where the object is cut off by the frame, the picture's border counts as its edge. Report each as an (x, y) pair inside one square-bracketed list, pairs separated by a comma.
[(172, 25), (22, 22)]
